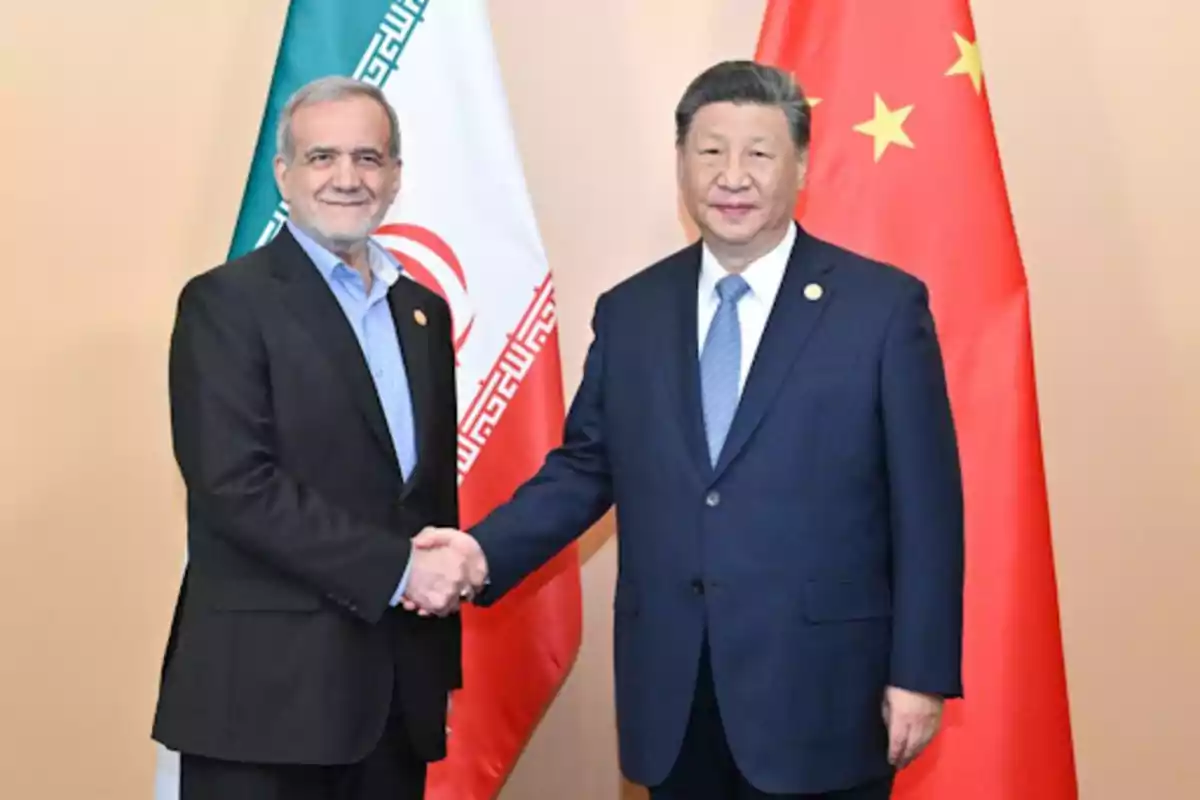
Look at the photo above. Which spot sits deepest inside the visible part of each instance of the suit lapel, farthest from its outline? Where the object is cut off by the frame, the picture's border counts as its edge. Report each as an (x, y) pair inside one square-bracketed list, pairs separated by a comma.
[(412, 326), (681, 367), (792, 319), (310, 300)]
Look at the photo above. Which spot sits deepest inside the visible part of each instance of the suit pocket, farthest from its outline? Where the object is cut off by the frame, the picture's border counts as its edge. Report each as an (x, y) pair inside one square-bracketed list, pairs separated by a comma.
[(847, 600), (251, 595)]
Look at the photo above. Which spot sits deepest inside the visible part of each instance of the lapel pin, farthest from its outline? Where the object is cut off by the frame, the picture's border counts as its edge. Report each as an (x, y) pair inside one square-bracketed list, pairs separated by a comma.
[(419, 316), (813, 291)]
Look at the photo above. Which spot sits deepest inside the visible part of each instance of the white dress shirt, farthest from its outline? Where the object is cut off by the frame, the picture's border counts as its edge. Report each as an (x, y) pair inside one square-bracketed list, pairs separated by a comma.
[(764, 277)]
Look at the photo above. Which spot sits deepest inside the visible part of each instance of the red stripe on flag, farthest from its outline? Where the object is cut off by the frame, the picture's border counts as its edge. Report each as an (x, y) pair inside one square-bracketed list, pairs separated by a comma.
[(907, 77), (535, 332), (517, 653)]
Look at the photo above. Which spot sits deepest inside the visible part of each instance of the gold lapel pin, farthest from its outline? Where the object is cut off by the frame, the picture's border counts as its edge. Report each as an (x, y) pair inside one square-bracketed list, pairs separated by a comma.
[(419, 316), (813, 291)]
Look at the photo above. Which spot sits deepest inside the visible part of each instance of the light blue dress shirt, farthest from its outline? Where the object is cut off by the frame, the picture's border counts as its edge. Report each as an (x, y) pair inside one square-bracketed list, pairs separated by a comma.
[(371, 318)]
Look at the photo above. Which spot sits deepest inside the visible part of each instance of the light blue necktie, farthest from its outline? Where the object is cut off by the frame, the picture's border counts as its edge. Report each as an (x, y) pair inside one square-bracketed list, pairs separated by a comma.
[(721, 364)]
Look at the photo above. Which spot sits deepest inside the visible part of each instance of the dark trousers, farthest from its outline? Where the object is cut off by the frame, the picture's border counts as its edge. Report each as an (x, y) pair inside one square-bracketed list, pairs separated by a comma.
[(705, 769), (390, 772)]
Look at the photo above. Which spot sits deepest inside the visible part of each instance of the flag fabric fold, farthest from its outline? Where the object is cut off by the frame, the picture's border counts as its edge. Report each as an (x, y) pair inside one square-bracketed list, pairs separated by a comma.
[(463, 226), (905, 169)]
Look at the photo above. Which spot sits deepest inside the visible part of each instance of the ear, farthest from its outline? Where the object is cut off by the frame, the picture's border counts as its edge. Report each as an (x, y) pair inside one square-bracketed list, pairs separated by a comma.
[(801, 169), (389, 186), (396, 178), (281, 168)]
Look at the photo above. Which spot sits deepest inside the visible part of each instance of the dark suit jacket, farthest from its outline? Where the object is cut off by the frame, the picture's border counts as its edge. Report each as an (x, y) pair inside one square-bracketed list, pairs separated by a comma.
[(822, 557), (283, 648)]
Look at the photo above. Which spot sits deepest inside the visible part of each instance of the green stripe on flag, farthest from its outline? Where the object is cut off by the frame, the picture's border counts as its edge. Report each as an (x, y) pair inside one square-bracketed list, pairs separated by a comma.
[(363, 38)]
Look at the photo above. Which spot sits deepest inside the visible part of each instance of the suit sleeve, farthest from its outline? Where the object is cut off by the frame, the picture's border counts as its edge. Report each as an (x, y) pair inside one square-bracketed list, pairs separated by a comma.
[(225, 443), (570, 492), (926, 500)]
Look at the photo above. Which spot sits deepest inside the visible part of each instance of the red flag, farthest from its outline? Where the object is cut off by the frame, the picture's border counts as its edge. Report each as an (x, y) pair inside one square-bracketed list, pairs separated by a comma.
[(904, 169)]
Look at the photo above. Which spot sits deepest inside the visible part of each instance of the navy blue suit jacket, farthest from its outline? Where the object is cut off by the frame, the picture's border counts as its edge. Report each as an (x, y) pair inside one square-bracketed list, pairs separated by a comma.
[(823, 555)]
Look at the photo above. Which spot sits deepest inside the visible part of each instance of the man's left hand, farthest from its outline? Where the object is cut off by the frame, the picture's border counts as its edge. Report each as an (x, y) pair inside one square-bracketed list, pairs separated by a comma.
[(912, 720)]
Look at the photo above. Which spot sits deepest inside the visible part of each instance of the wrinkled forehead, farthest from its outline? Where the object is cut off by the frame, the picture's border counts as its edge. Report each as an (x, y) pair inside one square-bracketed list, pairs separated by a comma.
[(348, 124), (743, 121)]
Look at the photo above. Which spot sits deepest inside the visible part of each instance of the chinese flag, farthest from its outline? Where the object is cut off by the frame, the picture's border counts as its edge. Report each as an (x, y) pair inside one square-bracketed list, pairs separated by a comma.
[(904, 169)]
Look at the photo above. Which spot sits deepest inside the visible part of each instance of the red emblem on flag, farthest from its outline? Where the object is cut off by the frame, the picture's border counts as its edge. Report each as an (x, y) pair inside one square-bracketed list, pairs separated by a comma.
[(431, 262)]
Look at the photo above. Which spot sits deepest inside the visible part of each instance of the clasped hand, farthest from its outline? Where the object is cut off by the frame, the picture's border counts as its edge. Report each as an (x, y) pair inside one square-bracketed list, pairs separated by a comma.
[(448, 566)]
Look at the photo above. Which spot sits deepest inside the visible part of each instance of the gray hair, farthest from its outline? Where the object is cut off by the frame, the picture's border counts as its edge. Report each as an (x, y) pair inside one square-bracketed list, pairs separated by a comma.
[(324, 90), (746, 82)]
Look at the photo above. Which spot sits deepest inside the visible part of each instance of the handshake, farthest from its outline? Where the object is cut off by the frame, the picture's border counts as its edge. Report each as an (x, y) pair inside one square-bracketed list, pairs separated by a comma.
[(447, 567)]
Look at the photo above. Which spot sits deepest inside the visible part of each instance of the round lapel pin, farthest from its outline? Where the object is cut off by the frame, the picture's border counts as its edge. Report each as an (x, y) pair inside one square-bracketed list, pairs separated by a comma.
[(419, 316), (813, 291)]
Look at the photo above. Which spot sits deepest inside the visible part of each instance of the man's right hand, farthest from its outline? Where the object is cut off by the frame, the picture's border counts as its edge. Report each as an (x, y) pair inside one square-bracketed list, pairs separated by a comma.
[(437, 581), (450, 546)]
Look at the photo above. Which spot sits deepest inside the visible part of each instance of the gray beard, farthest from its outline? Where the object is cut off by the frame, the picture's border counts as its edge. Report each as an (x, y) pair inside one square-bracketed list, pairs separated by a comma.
[(342, 241)]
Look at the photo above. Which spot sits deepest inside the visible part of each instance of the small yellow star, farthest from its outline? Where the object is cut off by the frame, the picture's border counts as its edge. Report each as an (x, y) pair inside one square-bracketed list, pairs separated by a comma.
[(886, 127), (968, 62), (812, 101)]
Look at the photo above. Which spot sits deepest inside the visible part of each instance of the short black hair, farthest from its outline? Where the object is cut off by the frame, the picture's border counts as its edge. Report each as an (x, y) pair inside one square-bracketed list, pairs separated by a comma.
[(746, 82)]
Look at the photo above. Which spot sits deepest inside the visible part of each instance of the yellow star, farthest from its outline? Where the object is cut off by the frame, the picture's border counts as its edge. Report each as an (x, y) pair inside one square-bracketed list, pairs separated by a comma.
[(812, 102), (968, 62), (886, 127)]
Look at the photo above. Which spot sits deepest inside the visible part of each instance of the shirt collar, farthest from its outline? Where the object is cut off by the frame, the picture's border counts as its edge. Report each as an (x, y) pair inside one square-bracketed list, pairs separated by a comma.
[(764, 274), (384, 265)]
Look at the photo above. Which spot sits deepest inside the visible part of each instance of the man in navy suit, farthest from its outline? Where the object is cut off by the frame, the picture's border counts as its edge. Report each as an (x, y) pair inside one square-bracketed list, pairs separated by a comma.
[(768, 413)]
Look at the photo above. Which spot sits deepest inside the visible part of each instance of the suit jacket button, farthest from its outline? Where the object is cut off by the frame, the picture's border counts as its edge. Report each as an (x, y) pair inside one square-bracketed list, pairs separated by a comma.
[(698, 586), (712, 499)]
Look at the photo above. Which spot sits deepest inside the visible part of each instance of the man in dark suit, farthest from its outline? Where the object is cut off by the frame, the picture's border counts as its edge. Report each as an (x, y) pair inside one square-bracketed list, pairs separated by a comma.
[(314, 416), (769, 414)]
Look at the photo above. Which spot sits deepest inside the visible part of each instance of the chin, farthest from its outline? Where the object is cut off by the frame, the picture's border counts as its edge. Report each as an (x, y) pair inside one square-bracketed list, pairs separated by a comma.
[(344, 235), (734, 234)]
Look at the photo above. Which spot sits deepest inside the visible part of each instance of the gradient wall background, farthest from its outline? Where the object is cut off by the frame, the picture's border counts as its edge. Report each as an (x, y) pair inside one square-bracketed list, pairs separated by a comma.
[(128, 126)]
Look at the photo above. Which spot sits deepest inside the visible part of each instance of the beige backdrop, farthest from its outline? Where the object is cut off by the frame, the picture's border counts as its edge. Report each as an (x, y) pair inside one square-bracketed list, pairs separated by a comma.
[(130, 124)]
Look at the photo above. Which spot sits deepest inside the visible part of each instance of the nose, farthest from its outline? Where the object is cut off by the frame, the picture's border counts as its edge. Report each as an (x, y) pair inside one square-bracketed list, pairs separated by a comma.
[(734, 176), (345, 176)]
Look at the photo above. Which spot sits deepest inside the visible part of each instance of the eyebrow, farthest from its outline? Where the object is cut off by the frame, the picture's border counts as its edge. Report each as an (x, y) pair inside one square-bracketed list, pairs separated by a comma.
[(322, 150), (724, 138)]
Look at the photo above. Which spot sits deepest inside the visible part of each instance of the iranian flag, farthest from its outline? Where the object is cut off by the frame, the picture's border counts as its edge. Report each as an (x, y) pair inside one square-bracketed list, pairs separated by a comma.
[(905, 169), (463, 226)]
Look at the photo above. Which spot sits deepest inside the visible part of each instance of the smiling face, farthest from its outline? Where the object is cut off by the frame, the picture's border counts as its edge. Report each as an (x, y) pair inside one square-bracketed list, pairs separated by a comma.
[(338, 179), (739, 171)]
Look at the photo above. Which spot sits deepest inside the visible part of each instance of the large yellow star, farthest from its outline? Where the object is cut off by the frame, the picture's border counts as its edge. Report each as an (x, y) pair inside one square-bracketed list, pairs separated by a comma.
[(886, 127), (968, 62)]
